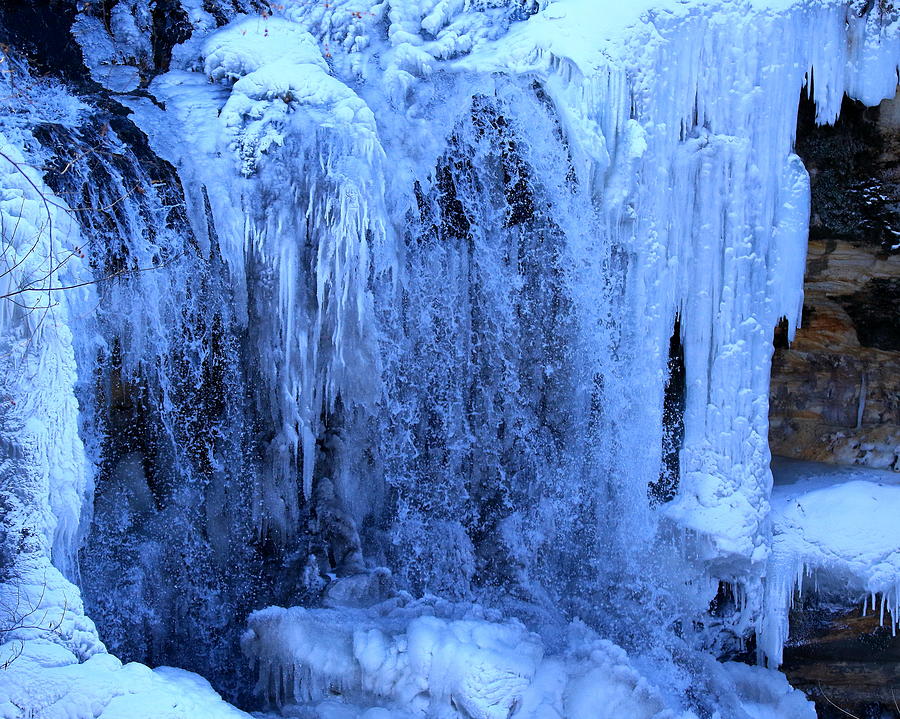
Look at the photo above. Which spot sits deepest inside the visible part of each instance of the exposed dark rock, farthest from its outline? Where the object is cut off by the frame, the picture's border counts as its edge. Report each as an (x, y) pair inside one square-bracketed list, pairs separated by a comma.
[(171, 26), (835, 392), (41, 31), (854, 168), (844, 661)]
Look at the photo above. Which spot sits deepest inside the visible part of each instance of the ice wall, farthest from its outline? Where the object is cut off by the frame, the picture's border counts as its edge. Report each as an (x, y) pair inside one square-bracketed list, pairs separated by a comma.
[(704, 105), (443, 287), (45, 478)]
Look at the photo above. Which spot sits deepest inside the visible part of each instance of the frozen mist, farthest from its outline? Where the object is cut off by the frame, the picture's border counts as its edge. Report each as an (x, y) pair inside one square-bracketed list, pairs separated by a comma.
[(355, 402)]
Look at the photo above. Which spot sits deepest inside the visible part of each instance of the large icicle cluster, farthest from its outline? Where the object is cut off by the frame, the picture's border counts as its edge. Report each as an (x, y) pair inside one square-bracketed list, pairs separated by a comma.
[(704, 104), (301, 230)]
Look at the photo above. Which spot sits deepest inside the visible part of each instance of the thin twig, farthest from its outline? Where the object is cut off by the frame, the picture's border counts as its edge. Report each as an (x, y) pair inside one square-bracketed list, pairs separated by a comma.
[(843, 711), (118, 273)]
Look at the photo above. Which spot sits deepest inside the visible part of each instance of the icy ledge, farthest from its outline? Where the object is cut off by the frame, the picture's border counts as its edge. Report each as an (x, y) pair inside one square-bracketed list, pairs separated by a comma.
[(834, 530), (429, 658)]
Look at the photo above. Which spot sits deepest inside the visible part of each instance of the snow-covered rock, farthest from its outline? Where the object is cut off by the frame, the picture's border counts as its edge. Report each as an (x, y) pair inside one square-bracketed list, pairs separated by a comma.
[(834, 531), (39, 678)]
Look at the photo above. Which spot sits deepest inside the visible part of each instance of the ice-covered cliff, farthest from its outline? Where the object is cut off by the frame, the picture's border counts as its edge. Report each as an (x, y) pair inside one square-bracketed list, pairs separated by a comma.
[(376, 301)]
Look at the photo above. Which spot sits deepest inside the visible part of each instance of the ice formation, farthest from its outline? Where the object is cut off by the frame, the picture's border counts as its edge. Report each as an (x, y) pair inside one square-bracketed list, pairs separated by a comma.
[(639, 109), (392, 285), (852, 552), (433, 658), (422, 662), (465, 666)]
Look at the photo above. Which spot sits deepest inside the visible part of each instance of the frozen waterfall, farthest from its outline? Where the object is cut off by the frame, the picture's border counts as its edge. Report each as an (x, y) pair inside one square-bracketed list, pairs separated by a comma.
[(367, 338)]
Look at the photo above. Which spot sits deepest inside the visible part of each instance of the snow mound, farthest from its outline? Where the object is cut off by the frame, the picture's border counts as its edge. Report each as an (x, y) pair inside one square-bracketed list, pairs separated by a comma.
[(44, 679), (433, 658), (835, 530), (248, 44), (766, 694), (276, 70)]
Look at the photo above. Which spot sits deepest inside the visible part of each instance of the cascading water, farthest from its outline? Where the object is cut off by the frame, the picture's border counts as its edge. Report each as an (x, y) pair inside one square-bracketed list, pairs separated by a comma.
[(477, 458), (164, 400)]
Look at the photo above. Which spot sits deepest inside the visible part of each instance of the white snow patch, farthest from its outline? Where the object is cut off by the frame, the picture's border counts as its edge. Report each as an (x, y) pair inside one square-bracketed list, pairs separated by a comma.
[(834, 529), (45, 680)]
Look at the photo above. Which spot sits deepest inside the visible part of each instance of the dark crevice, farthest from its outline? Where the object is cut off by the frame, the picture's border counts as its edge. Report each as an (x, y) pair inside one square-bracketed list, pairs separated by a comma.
[(780, 337), (40, 30), (664, 488), (875, 311)]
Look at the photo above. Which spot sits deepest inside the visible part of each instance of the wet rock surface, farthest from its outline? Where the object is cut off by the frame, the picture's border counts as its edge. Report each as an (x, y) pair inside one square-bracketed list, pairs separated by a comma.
[(835, 392), (844, 660)]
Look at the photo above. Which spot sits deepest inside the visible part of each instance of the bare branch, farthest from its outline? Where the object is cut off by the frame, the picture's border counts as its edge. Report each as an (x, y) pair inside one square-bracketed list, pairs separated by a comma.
[(118, 273)]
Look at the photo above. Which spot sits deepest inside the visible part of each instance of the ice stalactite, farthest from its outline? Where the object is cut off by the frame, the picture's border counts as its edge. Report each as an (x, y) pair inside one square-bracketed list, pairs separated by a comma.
[(310, 309)]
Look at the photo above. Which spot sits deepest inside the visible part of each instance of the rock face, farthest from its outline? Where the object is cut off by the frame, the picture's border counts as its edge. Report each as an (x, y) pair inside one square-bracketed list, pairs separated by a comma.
[(844, 661), (835, 392)]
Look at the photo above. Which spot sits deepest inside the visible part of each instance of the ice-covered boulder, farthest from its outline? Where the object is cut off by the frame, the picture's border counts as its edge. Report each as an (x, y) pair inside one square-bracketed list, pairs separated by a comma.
[(277, 74), (423, 662)]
